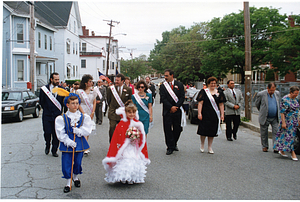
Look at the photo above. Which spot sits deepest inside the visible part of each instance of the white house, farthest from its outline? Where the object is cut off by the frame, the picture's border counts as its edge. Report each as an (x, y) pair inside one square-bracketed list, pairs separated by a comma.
[(65, 17), (93, 55)]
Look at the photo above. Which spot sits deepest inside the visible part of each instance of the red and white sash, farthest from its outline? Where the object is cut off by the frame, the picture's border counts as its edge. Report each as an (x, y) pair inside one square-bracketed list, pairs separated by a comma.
[(140, 101), (98, 92), (116, 95), (51, 97), (215, 106), (86, 99), (149, 91), (175, 98)]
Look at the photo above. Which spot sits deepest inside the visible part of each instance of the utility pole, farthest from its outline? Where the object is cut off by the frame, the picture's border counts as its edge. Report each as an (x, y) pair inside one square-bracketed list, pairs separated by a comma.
[(32, 45), (108, 48), (247, 61)]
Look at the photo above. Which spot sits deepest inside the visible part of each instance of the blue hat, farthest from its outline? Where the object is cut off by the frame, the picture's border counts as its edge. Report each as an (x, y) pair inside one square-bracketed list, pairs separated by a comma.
[(70, 95)]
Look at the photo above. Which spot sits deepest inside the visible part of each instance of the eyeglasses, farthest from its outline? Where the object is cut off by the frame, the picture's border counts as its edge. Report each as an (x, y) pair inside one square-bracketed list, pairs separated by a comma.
[(141, 87)]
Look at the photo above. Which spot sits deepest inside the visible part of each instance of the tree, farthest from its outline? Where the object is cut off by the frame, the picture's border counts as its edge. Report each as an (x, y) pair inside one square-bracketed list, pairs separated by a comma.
[(224, 49), (284, 53)]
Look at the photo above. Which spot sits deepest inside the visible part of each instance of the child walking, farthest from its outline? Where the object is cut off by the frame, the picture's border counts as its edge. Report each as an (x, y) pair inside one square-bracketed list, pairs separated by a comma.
[(127, 156), (66, 125)]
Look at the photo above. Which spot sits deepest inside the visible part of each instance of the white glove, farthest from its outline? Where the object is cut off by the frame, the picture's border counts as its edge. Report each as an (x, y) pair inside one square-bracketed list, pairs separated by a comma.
[(77, 131), (71, 143)]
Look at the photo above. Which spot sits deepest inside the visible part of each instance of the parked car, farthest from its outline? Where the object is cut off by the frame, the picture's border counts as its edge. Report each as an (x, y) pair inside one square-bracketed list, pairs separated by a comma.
[(193, 109), (18, 103)]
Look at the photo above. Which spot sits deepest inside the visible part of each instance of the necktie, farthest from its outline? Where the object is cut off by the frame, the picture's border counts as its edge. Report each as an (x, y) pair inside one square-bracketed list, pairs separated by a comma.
[(233, 94), (119, 90), (171, 85)]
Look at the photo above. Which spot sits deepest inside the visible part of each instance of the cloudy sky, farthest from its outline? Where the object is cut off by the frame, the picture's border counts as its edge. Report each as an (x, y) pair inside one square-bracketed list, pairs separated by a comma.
[(144, 21)]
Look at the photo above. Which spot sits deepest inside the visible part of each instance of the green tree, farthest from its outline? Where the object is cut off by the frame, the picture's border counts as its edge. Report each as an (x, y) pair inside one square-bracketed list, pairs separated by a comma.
[(284, 53), (225, 45)]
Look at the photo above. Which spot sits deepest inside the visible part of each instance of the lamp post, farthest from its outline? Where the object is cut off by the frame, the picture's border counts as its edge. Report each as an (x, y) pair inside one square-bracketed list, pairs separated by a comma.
[(108, 49)]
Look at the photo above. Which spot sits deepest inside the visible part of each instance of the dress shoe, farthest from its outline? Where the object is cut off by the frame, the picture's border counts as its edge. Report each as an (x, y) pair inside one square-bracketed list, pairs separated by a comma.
[(229, 139), (77, 183), (202, 150), (55, 154), (275, 151), (67, 189), (99, 123), (295, 159), (284, 155), (47, 150), (176, 148), (265, 149), (234, 137), (169, 151), (211, 152)]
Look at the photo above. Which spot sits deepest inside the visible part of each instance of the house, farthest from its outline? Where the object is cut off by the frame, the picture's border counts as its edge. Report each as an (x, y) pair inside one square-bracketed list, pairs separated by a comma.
[(93, 55), (16, 47), (65, 17)]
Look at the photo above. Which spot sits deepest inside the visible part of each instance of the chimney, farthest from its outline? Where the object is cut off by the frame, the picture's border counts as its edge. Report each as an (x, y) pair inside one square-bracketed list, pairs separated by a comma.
[(83, 30), (291, 21), (87, 32), (93, 33)]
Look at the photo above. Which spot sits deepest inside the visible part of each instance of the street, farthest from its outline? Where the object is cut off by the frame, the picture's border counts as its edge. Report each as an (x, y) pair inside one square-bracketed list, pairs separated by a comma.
[(238, 170)]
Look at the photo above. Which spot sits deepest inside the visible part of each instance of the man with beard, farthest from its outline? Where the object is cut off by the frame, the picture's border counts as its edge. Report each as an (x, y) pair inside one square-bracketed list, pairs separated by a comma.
[(52, 107)]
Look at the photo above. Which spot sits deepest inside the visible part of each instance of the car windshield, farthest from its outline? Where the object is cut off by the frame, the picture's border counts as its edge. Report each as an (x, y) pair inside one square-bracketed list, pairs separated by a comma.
[(11, 96)]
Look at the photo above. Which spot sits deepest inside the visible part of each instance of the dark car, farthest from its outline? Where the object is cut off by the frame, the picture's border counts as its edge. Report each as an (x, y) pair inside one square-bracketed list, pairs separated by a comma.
[(18, 103), (193, 109)]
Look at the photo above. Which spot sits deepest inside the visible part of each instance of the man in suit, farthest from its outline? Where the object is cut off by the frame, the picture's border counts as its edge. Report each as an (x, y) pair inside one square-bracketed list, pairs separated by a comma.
[(171, 110), (234, 101), (151, 86), (124, 93), (268, 103), (52, 107), (99, 101)]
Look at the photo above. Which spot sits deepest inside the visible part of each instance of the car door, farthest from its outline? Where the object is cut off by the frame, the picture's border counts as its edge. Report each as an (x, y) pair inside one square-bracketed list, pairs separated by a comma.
[(27, 103)]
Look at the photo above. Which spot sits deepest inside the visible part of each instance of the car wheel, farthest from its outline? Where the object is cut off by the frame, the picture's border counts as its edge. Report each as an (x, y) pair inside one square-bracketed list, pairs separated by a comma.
[(36, 112), (20, 115), (297, 142)]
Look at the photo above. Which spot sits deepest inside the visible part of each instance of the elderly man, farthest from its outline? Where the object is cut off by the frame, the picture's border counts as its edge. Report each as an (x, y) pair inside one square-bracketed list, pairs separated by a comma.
[(234, 101), (267, 103), (101, 96)]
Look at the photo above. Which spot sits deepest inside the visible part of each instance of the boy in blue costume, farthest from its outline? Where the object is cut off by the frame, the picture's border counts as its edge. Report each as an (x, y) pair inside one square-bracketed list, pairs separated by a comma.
[(66, 125)]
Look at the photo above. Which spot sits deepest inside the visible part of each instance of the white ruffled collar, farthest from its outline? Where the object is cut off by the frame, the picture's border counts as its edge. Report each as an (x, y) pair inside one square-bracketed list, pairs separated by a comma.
[(75, 117)]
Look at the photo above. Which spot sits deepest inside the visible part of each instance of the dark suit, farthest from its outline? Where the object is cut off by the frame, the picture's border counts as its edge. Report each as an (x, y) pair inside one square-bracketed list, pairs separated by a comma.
[(151, 86), (99, 113), (172, 121), (114, 119), (50, 112)]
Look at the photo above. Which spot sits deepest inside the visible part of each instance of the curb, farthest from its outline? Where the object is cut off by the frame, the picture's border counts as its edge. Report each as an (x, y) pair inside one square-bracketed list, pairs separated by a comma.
[(255, 128)]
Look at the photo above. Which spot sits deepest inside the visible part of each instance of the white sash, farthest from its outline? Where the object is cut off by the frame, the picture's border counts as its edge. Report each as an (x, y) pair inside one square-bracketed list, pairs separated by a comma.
[(51, 97), (141, 103), (86, 99), (116, 95), (98, 92), (175, 98), (149, 91), (214, 104)]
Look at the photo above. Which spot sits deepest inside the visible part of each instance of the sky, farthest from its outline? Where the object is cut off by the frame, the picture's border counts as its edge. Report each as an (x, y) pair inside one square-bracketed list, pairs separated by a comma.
[(143, 22)]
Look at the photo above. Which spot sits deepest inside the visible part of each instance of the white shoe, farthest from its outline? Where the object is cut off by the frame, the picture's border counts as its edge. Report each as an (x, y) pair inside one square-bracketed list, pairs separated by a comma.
[(211, 152), (284, 155), (295, 159), (202, 150)]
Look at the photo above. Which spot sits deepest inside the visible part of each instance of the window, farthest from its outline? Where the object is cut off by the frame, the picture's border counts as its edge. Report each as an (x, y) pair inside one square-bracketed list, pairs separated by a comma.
[(50, 43), (68, 71), (45, 42), (20, 70), (39, 39), (103, 65), (107, 47), (74, 69), (25, 95), (112, 65), (38, 68), (83, 47), (79, 46), (50, 68), (83, 63), (298, 75), (76, 49), (32, 95), (281, 78), (68, 48), (20, 34), (73, 48)]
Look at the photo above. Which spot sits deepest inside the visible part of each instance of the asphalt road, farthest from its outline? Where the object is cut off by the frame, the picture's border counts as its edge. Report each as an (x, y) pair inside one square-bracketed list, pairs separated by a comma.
[(237, 170)]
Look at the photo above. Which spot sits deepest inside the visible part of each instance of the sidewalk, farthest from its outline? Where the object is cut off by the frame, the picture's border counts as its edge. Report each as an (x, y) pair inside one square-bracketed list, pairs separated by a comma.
[(254, 124)]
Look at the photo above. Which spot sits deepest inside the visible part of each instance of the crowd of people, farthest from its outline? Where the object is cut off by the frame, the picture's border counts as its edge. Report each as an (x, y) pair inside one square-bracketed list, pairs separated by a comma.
[(70, 116)]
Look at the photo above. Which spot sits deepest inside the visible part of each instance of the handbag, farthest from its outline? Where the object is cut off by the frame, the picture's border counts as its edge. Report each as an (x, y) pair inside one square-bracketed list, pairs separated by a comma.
[(223, 126)]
